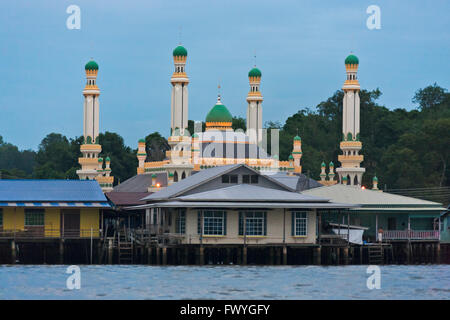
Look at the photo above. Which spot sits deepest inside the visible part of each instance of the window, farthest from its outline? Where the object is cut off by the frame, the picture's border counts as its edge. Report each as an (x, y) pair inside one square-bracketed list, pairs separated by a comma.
[(1, 216), (214, 222), (230, 178), (255, 223), (180, 221), (299, 223), (34, 217), (254, 178)]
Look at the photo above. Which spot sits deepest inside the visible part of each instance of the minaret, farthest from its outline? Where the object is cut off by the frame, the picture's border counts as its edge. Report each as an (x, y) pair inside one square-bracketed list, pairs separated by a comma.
[(90, 149), (351, 145), (254, 109), (141, 155), (297, 154), (179, 102)]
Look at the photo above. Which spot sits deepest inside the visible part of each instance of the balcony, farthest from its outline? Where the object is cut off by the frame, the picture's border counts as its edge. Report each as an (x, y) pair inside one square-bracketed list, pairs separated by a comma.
[(411, 235)]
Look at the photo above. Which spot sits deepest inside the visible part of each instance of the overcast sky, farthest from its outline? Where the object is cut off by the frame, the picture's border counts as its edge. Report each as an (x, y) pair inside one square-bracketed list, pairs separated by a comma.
[(300, 48)]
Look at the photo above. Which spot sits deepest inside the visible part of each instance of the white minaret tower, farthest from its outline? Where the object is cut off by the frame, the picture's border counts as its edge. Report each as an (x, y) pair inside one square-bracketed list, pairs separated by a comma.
[(254, 109), (350, 171), (90, 149), (179, 101)]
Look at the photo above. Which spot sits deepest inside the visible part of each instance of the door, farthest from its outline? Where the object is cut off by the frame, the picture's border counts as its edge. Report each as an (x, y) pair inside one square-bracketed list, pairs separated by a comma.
[(392, 224), (70, 223)]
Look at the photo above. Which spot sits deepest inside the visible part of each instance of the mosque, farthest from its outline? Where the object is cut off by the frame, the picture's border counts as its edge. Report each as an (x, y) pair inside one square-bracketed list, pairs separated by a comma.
[(219, 144)]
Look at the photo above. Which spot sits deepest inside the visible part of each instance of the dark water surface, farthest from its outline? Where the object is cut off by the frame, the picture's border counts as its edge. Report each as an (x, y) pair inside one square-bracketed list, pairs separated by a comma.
[(225, 282)]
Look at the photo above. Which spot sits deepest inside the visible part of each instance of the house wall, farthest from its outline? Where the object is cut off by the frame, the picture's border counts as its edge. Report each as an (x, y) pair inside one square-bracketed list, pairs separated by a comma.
[(275, 219), (89, 218), (445, 231), (14, 219)]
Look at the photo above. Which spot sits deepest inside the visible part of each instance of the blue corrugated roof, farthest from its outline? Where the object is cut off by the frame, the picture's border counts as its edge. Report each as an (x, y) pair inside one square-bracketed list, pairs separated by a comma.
[(50, 190)]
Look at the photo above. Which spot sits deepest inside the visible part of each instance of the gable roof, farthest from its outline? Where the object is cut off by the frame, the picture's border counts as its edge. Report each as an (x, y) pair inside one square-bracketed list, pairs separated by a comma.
[(51, 190), (126, 198), (370, 198), (249, 193), (298, 182), (200, 178)]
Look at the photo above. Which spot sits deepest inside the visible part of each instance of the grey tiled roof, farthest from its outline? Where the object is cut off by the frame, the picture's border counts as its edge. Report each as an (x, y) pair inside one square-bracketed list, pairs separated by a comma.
[(248, 192)]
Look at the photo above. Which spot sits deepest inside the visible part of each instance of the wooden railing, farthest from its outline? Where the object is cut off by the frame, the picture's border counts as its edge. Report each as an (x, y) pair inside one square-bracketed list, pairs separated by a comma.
[(45, 233), (411, 235)]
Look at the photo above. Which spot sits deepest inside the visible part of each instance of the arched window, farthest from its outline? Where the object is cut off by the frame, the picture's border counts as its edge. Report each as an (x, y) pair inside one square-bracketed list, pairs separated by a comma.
[(175, 177), (183, 175)]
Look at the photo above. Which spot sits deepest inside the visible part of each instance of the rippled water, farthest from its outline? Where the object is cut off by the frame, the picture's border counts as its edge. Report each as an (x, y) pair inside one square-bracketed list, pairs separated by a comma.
[(225, 282)]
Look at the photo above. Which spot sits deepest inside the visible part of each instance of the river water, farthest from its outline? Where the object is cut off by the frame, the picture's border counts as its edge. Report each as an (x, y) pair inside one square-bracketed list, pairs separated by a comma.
[(225, 282)]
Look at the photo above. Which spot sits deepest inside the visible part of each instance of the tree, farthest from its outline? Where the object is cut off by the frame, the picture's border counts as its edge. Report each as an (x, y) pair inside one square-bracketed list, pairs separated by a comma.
[(239, 123), (54, 158), (156, 147), (430, 96)]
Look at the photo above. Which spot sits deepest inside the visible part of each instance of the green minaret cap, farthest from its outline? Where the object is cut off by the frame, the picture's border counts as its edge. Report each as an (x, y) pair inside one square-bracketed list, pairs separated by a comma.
[(291, 157), (153, 175), (323, 164), (100, 159), (255, 72), (91, 65), (180, 51), (331, 164), (297, 138), (108, 159), (352, 59), (141, 140), (375, 179), (171, 174)]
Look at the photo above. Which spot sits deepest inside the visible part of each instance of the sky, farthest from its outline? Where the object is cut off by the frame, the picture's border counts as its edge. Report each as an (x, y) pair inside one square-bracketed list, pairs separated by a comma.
[(300, 47)]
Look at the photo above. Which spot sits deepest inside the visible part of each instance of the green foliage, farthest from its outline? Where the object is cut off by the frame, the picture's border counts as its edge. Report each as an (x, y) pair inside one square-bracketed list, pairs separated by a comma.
[(156, 147), (239, 123), (123, 158), (15, 164)]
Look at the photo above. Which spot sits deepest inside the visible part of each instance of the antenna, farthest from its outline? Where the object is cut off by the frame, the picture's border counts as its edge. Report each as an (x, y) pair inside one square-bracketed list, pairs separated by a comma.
[(180, 34), (254, 56)]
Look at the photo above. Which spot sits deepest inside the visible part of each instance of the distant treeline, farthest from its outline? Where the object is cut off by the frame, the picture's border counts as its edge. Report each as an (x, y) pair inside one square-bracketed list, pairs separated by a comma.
[(405, 149)]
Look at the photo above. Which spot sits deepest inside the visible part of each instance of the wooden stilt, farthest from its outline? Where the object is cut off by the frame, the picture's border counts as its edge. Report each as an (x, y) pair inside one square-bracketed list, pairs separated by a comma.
[(110, 251), (317, 256), (186, 255), (271, 256), (164, 256), (244, 255), (284, 255), (345, 253), (438, 253), (158, 253), (13, 252), (149, 254), (61, 251), (338, 256), (201, 255)]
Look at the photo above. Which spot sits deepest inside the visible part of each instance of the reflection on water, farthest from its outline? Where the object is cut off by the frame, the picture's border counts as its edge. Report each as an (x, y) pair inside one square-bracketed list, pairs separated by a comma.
[(225, 282)]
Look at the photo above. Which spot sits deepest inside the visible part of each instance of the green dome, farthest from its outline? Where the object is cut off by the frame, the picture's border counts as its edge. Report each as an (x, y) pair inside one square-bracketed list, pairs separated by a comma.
[(297, 138), (153, 175), (331, 164), (91, 65), (291, 157), (195, 135), (100, 159), (219, 113), (352, 59), (141, 140), (180, 51), (323, 164), (255, 72), (375, 179), (108, 159)]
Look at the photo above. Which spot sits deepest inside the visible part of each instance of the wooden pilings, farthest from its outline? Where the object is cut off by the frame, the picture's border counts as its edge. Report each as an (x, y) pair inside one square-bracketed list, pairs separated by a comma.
[(13, 252)]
